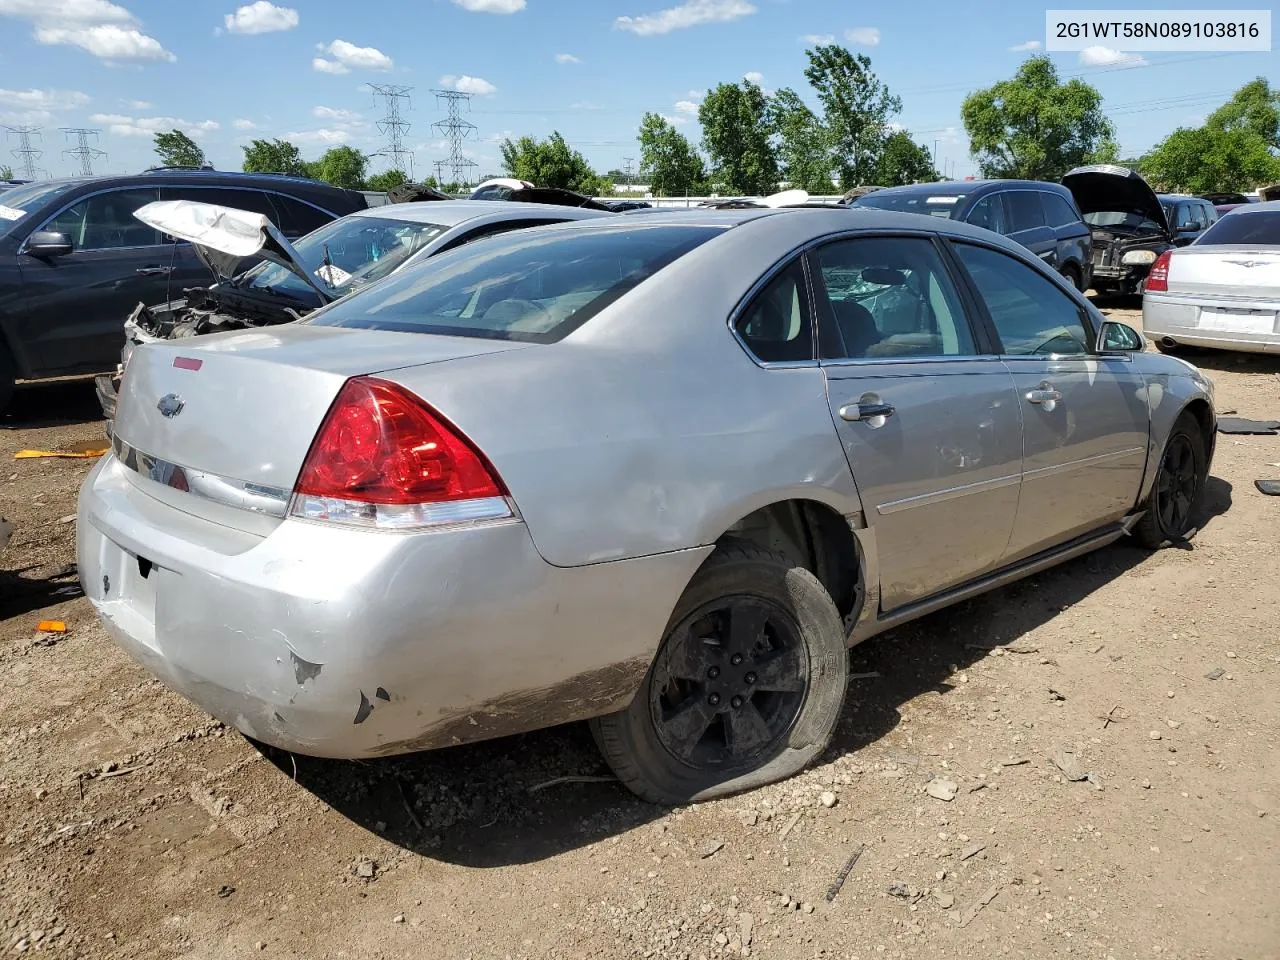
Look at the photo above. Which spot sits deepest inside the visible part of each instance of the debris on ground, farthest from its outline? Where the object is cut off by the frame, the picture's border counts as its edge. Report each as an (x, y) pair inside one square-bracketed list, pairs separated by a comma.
[(972, 911), (843, 875), (92, 454), (1069, 764), (942, 789)]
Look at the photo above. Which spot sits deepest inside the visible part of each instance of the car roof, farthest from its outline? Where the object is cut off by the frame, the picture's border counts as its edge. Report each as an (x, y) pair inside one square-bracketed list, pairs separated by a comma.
[(1179, 196), (949, 188), (1263, 206), (450, 213)]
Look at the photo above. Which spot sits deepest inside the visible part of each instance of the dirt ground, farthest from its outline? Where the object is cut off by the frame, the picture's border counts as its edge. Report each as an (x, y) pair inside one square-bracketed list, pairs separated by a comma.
[(134, 826)]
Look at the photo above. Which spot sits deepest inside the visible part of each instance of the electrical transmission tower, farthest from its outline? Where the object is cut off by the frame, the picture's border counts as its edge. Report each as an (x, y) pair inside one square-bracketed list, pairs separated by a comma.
[(393, 126), (26, 154), (454, 129), (84, 151)]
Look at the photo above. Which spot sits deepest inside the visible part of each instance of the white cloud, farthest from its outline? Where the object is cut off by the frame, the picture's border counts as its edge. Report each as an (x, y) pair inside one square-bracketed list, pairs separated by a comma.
[(863, 36), (465, 84), (491, 6), (347, 56), (566, 58), (137, 104), (336, 115), (261, 17), (38, 106), (585, 105), (675, 121), (107, 30), (1100, 56), (819, 39), (1023, 47), (691, 13), (321, 136), (754, 76), (125, 126), (688, 107), (243, 124)]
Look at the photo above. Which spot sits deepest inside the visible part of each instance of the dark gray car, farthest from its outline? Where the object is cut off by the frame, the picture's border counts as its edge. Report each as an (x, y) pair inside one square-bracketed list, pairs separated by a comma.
[(74, 261), (1043, 217)]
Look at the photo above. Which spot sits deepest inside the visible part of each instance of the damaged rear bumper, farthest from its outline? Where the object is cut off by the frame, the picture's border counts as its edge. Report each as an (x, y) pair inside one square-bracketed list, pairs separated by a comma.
[(346, 643)]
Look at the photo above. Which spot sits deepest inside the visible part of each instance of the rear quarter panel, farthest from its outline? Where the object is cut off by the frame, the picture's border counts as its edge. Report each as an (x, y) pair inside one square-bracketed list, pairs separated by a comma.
[(1172, 386), (650, 429)]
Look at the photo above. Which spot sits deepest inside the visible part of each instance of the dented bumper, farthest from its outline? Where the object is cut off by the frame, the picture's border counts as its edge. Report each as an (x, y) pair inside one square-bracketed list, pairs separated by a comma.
[(346, 643)]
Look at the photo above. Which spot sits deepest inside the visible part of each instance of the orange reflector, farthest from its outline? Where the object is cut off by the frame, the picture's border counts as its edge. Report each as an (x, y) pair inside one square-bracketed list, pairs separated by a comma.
[(51, 626), (65, 454)]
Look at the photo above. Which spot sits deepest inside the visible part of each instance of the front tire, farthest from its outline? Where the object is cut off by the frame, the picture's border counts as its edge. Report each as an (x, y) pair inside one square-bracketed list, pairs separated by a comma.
[(1071, 273), (8, 374), (1178, 489), (746, 687)]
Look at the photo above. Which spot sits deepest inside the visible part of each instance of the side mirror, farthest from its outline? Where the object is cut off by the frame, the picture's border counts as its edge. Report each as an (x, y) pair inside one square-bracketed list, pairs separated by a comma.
[(47, 243), (1117, 337)]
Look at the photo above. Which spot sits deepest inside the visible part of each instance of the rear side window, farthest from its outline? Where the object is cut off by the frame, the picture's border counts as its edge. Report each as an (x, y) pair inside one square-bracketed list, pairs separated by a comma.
[(254, 201), (534, 285), (1244, 228), (295, 218), (1025, 212), (778, 325), (1057, 212)]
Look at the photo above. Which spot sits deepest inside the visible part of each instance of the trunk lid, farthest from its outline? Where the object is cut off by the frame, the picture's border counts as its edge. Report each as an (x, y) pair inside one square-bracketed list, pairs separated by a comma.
[(224, 237), (1106, 188), (1226, 272), (217, 423)]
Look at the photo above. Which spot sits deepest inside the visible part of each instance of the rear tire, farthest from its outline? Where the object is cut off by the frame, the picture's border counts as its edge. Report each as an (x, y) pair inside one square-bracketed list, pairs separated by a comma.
[(1178, 488), (8, 374), (746, 687), (1172, 349), (1071, 273)]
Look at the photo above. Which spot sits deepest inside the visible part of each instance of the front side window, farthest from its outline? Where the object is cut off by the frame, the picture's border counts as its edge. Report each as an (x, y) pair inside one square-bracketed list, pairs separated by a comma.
[(105, 221), (1031, 314), (1057, 212), (892, 297), (535, 286), (778, 326)]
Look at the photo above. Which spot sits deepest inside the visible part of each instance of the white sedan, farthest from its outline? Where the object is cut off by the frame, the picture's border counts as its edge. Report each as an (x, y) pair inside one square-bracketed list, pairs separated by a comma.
[(1221, 291)]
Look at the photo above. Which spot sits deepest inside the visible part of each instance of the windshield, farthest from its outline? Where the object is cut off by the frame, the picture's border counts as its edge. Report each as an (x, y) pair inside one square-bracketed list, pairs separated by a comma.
[(936, 205), (1126, 221), (29, 198), (347, 253), (1244, 228), (534, 285)]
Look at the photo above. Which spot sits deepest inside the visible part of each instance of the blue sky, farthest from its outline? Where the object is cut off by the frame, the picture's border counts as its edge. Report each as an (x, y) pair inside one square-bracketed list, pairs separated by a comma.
[(299, 69)]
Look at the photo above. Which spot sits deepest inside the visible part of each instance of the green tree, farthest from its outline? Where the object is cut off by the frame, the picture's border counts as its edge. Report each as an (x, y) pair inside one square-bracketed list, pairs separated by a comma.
[(341, 166), (1255, 107), (903, 161), (1034, 127), (669, 160), (551, 163), (176, 149), (737, 135), (856, 109), (1209, 160), (6, 172), (804, 143), (274, 156), (389, 180)]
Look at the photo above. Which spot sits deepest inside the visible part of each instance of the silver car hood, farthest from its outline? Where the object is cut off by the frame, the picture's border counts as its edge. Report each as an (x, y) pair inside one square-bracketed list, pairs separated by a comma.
[(224, 237)]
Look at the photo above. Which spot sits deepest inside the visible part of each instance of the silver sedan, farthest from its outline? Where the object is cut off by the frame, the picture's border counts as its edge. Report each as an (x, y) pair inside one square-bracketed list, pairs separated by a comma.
[(657, 473), (1223, 290)]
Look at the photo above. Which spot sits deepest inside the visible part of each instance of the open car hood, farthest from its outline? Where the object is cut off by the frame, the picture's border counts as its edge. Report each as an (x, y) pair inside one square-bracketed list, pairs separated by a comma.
[(224, 237), (1106, 188)]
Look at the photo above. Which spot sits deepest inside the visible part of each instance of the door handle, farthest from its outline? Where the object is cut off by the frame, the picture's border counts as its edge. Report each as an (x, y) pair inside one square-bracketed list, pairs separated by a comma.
[(1045, 395), (855, 412), (155, 270)]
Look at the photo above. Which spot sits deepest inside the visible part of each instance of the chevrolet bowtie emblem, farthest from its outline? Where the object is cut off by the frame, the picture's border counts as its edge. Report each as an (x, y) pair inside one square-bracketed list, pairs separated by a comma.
[(170, 405)]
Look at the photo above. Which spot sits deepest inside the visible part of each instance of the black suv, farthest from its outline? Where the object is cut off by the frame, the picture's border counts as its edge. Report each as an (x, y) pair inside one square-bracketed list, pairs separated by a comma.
[(1043, 217), (74, 261)]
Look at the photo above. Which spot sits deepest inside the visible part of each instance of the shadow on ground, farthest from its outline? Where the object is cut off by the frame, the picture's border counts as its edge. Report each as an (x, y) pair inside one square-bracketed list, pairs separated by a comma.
[(498, 803), (21, 592), (52, 405)]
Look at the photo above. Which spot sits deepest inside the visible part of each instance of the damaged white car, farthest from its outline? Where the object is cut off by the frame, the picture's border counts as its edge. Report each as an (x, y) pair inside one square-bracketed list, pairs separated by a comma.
[(286, 281)]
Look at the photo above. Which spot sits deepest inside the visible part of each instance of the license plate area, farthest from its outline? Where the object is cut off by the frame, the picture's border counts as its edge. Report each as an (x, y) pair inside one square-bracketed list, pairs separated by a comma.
[(1237, 321), (130, 581)]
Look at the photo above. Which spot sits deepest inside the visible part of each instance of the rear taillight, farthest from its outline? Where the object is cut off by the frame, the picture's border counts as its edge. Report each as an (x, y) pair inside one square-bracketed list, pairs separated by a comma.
[(1158, 277), (384, 459)]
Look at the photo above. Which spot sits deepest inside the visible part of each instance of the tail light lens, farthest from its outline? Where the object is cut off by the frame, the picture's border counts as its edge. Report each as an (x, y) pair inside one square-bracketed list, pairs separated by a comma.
[(384, 459), (1158, 277)]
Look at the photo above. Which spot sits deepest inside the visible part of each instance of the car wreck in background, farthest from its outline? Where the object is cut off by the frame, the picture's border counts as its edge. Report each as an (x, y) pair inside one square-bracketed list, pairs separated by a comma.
[(1127, 222), (258, 278)]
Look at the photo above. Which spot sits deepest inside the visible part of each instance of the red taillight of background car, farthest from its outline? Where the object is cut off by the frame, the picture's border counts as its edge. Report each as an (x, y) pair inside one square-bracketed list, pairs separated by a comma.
[(383, 458), (1158, 277)]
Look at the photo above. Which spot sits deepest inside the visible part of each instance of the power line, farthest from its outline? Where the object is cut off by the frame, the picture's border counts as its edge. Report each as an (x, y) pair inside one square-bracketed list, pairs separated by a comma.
[(394, 126), (26, 154), (84, 151), (455, 129)]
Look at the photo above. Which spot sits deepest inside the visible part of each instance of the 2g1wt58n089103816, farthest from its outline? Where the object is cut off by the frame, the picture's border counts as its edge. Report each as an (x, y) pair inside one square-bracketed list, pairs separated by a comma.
[(1155, 30)]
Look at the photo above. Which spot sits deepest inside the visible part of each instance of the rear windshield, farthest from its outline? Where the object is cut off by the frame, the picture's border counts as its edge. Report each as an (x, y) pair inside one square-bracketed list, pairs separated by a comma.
[(1248, 227), (935, 205), (534, 285)]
